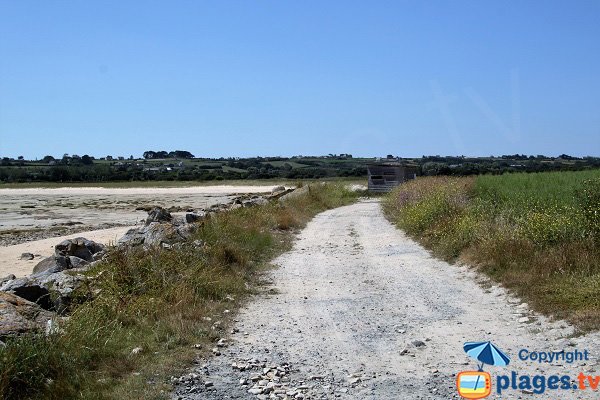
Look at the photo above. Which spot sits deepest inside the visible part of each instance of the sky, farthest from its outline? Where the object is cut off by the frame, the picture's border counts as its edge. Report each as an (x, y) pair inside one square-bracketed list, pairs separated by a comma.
[(268, 78)]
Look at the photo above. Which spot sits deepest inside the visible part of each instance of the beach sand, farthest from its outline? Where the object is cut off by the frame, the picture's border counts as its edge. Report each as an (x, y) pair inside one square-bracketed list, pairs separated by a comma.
[(10, 262), (31, 215)]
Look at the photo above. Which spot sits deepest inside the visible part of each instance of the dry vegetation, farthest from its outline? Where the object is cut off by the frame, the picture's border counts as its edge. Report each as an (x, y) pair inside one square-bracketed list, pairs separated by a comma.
[(537, 234), (163, 301)]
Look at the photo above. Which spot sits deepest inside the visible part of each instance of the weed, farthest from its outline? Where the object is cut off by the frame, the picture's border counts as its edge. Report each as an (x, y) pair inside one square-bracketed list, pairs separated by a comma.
[(166, 302), (535, 233)]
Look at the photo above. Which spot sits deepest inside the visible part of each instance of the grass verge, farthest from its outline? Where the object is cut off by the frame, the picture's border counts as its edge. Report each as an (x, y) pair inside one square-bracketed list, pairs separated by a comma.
[(169, 305), (537, 234)]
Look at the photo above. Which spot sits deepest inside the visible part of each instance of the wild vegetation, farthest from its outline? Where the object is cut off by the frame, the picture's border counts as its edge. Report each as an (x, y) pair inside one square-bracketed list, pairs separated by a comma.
[(181, 165), (168, 305), (538, 234)]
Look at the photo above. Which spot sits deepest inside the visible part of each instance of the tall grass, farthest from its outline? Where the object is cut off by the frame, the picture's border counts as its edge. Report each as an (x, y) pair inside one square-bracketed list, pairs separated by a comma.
[(538, 234), (165, 302)]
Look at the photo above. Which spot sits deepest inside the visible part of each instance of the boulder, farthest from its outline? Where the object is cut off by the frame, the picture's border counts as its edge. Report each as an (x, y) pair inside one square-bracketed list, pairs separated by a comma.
[(259, 201), (98, 256), (277, 189), (19, 316), (191, 218), (51, 291), (52, 264), (27, 256), (62, 286), (294, 194), (161, 227), (30, 289), (77, 262), (158, 214), (78, 247), (133, 237), (7, 279), (275, 196)]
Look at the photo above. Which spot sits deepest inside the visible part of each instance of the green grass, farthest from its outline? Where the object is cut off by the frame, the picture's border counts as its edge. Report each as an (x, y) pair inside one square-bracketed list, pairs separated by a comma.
[(293, 164), (159, 301), (538, 234)]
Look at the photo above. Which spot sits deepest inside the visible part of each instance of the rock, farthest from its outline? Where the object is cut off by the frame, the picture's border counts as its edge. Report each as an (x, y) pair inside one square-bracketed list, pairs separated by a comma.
[(292, 194), (52, 264), (27, 256), (98, 256), (77, 262), (190, 218), (277, 189), (62, 286), (524, 319), (7, 279), (19, 316), (136, 350), (29, 289), (158, 214), (259, 201), (418, 343), (157, 233), (133, 237), (51, 291), (208, 384), (79, 247)]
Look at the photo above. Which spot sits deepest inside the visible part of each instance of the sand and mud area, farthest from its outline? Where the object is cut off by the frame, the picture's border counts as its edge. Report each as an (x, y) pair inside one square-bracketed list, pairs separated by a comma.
[(35, 219)]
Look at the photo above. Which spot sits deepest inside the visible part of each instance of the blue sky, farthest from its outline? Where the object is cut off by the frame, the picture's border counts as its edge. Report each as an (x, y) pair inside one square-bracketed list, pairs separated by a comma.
[(246, 78)]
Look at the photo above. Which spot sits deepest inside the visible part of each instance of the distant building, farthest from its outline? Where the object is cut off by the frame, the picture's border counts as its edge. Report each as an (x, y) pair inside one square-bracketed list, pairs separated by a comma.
[(383, 177)]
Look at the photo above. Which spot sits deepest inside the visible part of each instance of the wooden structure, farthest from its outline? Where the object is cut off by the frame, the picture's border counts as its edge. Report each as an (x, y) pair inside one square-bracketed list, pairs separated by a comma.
[(384, 177)]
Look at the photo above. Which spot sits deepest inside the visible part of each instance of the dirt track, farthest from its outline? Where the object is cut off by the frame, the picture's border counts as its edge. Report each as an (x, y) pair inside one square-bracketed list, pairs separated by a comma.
[(360, 311)]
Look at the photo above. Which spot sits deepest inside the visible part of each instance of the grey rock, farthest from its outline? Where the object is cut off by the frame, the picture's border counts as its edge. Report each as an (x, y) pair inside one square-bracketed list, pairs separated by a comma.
[(78, 247), (27, 256), (77, 262), (277, 189), (19, 316), (194, 217), (52, 264), (7, 279), (158, 214), (29, 289), (292, 194), (98, 256), (259, 201), (133, 237)]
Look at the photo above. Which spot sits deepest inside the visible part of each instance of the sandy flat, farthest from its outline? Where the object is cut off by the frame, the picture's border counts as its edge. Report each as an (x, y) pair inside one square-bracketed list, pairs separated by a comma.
[(93, 209), (221, 190), (10, 255)]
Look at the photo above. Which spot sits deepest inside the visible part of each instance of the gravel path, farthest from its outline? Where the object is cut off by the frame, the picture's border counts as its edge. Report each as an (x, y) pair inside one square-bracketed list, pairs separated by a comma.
[(359, 311)]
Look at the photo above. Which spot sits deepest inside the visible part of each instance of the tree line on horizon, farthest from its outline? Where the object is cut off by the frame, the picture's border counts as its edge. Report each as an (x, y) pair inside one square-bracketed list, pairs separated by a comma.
[(183, 166)]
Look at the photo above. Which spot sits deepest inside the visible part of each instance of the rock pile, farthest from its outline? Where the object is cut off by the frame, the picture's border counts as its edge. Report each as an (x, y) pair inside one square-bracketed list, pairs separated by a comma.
[(161, 229), (27, 304)]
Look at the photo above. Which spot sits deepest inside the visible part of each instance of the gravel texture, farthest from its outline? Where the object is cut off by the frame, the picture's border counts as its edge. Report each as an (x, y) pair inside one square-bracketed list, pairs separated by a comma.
[(357, 310)]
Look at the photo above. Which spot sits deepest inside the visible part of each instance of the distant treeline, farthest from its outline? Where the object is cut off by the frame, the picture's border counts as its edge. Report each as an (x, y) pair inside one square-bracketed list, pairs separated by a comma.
[(181, 165)]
